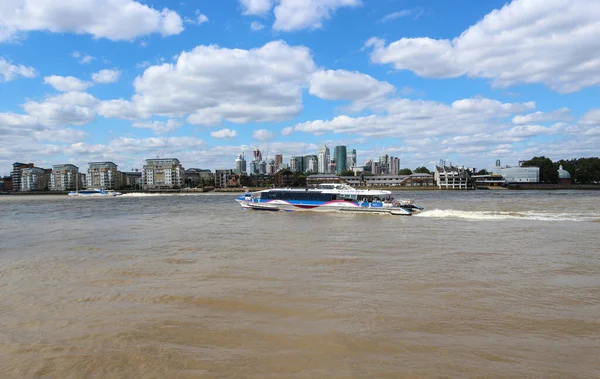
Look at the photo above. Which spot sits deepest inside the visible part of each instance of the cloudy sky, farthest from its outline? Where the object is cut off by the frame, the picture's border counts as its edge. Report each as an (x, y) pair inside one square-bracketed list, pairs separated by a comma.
[(467, 81)]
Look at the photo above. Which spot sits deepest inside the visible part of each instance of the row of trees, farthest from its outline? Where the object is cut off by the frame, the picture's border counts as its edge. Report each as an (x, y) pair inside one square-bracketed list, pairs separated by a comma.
[(582, 170)]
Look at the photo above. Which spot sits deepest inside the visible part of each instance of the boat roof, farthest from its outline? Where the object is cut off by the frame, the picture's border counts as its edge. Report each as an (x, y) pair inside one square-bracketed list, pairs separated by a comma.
[(335, 188)]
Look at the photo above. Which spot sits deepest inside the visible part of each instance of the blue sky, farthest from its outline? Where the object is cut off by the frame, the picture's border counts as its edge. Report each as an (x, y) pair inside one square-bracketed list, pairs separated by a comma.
[(465, 81)]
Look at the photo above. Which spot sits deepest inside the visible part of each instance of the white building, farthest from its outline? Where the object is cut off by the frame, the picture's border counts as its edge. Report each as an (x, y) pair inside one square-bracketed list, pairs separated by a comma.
[(34, 179), (163, 173), (240, 164), (64, 177), (451, 177), (323, 158), (518, 174), (350, 158)]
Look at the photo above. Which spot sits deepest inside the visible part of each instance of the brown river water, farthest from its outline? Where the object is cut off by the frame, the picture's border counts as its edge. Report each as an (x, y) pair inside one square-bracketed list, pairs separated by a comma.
[(483, 284)]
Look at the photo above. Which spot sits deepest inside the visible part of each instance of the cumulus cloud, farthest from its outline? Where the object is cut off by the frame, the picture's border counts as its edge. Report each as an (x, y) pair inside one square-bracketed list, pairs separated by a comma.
[(106, 76), (292, 15), (224, 134), (346, 85), (256, 7), (263, 135), (267, 87), (111, 19), (73, 108), (9, 71), (592, 117), (67, 83), (512, 45), (563, 114), (287, 131)]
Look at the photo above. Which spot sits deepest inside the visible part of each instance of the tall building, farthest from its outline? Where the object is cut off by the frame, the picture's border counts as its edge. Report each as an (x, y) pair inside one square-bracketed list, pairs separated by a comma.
[(351, 159), (395, 165), (222, 178), (262, 168), (324, 159), (384, 164), (297, 164), (308, 166), (64, 177), (340, 155), (253, 170), (102, 175), (240, 164), (163, 173), (16, 174), (271, 167), (257, 155), (278, 162), (35, 179)]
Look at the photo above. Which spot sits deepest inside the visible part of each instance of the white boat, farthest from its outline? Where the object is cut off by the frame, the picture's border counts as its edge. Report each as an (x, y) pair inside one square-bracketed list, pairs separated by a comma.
[(328, 197), (94, 192)]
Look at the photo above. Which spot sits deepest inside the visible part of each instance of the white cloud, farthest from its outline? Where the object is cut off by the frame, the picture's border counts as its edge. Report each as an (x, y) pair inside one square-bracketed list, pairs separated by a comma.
[(267, 87), (159, 126), (199, 19), (563, 114), (395, 15), (293, 15), (256, 7), (106, 76), (347, 85), (67, 83), (9, 71), (111, 19), (516, 44), (120, 108), (287, 131), (82, 58), (256, 26), (224, 134), (74, 108), (263, 135), (592, 117), (405, 118)]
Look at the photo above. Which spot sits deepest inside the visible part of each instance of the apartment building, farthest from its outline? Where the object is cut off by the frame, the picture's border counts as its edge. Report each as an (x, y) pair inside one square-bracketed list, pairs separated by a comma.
[(163, 173), (103, 175), (35, 179), (64, 177)]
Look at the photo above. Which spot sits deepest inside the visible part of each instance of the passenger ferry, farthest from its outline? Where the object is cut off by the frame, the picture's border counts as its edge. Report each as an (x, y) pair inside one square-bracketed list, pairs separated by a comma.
[(328, 197), (94, 192)]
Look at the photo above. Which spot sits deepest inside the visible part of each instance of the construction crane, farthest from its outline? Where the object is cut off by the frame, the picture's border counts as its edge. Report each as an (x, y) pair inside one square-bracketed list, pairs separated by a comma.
[(166, 143)]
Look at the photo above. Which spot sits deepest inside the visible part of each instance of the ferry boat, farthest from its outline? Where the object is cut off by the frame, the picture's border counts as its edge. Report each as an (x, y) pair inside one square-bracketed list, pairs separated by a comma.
[(328, 197), (94, 192)]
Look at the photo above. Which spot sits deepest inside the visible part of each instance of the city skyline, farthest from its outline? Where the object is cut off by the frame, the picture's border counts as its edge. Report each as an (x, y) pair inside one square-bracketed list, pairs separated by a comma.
[(131, 80)]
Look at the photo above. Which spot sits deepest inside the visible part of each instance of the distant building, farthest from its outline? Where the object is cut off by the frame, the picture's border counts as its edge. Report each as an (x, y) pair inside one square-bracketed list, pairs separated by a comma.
[(350, 159), (394, 165), (297, 164), (285, 178), (311, 164), (16, 174), (64, 177), (271, 167), (451, 177), (340, 155), (222, 178), (240, 164), (278, 162), (517, 174), (414, 180), (315, 180), (163, 173), (131, 180), (324, 159), (103, 175), (6, 184), (564, 177), (35, 179)]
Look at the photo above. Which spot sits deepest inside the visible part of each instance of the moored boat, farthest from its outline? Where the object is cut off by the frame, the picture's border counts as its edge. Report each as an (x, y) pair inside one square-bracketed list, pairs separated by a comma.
[(328, 197)]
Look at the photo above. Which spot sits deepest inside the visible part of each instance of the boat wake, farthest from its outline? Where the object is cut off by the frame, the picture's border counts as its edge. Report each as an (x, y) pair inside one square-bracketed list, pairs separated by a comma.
[(499, 215)]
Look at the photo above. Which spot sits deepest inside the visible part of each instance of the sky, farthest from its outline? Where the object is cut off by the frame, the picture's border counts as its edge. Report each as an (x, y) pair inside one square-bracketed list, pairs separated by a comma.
[(465, 81)]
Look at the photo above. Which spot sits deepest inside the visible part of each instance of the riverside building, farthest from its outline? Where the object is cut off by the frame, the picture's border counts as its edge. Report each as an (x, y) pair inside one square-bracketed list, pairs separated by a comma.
[(163, 173), (102, 175), (64, 177)]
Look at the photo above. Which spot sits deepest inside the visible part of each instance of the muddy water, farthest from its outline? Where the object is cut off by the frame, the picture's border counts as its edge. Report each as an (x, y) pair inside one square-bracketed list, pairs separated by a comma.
[(497, 284)]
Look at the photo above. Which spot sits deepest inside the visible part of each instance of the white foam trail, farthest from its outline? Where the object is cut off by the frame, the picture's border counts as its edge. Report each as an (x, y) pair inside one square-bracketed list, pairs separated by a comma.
[(499, 215), (140, 194)]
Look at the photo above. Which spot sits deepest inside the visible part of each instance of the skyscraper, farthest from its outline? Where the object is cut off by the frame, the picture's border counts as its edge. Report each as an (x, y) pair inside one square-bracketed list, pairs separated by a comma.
[(340, 155), (240, 164), (306, 165), (278, 162), (324, 159), (296, 164), (351, 159)]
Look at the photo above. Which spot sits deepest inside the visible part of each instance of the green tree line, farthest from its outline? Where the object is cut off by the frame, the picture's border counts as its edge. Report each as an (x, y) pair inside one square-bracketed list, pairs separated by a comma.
[(582, 170)]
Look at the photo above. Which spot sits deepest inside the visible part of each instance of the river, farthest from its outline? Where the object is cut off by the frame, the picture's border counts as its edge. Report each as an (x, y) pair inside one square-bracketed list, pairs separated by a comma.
[(494, 284)]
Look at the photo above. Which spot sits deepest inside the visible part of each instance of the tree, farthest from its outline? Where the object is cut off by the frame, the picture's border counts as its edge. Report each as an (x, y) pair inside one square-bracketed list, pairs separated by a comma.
[(422, 170), (548, 170), (347, 173), (482, 172), (405, 171)]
